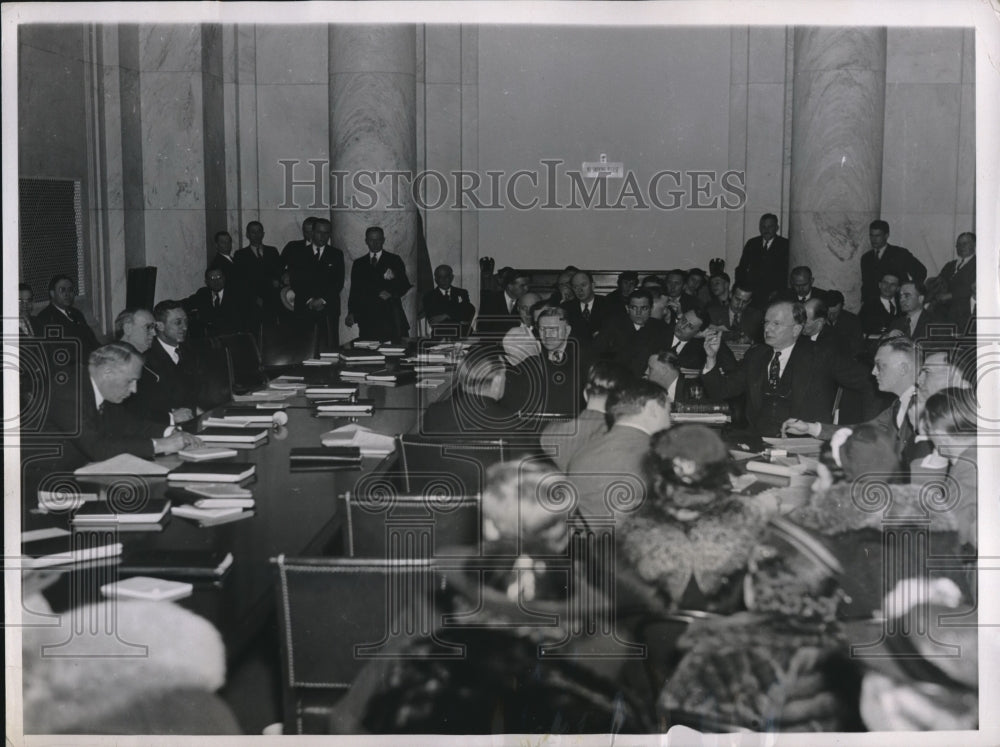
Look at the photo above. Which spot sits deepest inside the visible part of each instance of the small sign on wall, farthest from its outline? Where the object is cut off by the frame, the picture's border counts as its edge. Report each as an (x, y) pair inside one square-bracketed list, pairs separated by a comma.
[(603, 168)]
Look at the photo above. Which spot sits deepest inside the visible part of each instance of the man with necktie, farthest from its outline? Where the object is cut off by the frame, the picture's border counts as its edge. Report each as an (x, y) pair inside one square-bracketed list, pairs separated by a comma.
[(215, 308), (896, 373), (877, 314), (914, 319), (743, 322), (378, 284), (960, 274), (789, 376), (800, 286), (498, 309), (260, 266), (763, 266), (447, 307), (316, 274), (885, 259), (63, 314), (26, 323), (168, 391), (586, 311)]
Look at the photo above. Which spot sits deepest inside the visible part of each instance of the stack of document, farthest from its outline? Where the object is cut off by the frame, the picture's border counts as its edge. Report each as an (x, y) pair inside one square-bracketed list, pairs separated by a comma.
[(212, 472), (53, 546), (372, 444), (123, 464), (318, 362), (388, 349), (362, 356), (366, 344), (287, 383), (227, 433), (206, 453)]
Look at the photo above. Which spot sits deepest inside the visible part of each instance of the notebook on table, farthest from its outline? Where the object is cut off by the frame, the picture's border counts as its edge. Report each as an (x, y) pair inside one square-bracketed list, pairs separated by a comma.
[(206, 453), (102, 513), (123, 464), (247, 435), (53, 547), (388, 376), (212, 472)]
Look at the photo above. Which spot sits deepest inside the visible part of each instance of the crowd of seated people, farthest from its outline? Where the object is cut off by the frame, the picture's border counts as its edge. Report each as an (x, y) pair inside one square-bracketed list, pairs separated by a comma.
[(596, 380)]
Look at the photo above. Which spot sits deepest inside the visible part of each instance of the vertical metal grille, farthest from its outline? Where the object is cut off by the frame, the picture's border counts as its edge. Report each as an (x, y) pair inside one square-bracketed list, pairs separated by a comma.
[(51, 232)]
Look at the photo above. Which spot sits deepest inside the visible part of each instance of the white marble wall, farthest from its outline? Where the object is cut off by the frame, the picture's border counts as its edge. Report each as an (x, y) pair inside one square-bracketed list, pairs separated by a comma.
[(837, 125), (928, 161), (758, 138), (372, 126)]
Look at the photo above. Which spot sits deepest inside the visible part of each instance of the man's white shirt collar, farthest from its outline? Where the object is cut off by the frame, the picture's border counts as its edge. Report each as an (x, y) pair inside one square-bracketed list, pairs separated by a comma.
[(905, 399), (171, 350)]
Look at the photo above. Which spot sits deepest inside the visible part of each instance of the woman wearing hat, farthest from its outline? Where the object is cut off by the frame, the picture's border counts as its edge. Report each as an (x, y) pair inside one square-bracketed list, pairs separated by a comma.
[(691, 539)]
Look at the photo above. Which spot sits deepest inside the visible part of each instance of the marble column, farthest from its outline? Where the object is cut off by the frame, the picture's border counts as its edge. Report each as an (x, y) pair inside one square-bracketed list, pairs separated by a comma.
[(837, 127), (373, 128)]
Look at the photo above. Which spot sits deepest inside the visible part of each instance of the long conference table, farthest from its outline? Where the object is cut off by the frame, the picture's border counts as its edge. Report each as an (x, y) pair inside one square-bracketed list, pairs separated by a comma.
[(296, 511)]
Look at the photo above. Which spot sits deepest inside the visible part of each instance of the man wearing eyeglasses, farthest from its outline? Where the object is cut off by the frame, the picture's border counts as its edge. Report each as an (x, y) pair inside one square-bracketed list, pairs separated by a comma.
[(551, 382), (630, 339)]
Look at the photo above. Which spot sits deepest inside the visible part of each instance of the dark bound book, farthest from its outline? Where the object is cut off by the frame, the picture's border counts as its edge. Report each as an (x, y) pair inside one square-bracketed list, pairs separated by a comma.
[(333, 456), (390, 376), (212, 471), (215, 435), (176, 563)]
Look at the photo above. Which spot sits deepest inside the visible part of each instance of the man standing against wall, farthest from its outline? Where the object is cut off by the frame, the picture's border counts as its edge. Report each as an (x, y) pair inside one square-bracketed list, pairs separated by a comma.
[(316, 272), (764, 265), (885, 259), (378, 284)]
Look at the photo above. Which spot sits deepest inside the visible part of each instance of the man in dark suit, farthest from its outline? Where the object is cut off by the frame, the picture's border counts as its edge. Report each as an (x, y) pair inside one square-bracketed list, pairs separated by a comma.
[(260, 265), (587, 311), (787, 377), (498, 310), (685, 344), (475, 409), (316, 273), (800, 286), (90, 429), (763, 265), (877, 314), (895, 372), (378, 283), (884, 258), (63, 314), (223, 258), (215, 309), (627, 282), (26, 323), (168, 390), (844, 324), (298, 245), (960, 275), (678, 301), (447, 307), (630, 340), (913, 320), (551, 382), (743, 322)]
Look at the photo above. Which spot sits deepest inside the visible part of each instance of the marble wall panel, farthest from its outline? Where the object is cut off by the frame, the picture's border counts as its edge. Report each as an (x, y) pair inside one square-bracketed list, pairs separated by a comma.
[(291, 123), (766, 54), (246, 52), (443, 54), (968, 55), (229, 53), (920, 147), (246, 144), (443, 225), (924, 55), (291, 54), (175, 244), (170, 48), (965, 198), (212, 49), (930, 236), (739, 63), (470, 55), (385, 48), (114, 254), (173, 160), (766, 102)]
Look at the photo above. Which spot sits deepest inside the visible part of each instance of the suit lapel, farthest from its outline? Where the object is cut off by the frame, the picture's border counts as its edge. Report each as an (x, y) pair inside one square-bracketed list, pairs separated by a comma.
[(797, 354)]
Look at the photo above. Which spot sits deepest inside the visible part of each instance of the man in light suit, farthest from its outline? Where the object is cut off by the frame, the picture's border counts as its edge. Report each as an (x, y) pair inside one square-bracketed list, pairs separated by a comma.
[(316, 273), (787, 377), (884, 258), (763, 266), (378, 284), (638, 410)]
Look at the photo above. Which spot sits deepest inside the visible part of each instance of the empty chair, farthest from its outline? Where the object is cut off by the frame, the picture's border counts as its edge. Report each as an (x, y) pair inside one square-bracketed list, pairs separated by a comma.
[(287, 344), (248, 371), (424, 460), (215, 374), (336, 615), (445, 519)]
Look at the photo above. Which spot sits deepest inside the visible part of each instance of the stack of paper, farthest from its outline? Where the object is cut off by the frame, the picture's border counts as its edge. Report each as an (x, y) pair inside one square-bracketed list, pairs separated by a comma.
[(212, 472), (317, 362), (53, 546), (366, 344), (211, 516), (372, 444), (205, 453), (387, 349), (264, 396), (287, 383), (361, 356), (123, 464)]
